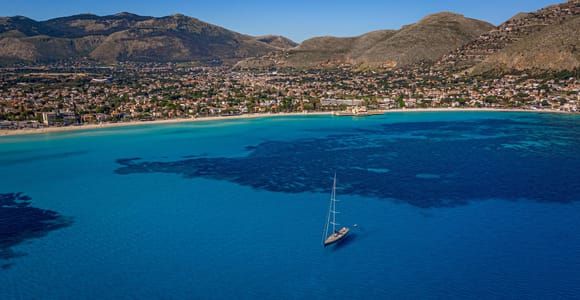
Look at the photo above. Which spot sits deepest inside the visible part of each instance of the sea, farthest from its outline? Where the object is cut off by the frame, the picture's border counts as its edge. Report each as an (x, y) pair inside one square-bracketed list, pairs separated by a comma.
[(441, 205)]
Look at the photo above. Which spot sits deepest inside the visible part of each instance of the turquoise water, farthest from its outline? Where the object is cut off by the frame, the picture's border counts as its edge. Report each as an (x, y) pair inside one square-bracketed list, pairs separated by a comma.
[(447, 205)]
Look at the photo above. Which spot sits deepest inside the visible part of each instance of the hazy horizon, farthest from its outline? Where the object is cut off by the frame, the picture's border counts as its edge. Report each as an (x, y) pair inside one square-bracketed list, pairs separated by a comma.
[(298, 21)]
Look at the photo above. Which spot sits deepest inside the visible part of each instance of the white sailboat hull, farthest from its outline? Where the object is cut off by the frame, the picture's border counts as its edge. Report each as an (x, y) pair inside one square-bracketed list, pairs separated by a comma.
[(336, 236)]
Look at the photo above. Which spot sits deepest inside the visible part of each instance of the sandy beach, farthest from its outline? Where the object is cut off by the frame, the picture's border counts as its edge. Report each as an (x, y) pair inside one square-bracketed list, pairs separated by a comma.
[(154, 122), (247, 116)]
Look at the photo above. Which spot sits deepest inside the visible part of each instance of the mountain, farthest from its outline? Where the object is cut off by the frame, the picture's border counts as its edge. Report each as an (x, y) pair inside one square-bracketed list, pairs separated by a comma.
[(555, 48), (543, 39), (277, 41), (177, 38), (127, 37), (425, 41), (20, 26), (87, 24)]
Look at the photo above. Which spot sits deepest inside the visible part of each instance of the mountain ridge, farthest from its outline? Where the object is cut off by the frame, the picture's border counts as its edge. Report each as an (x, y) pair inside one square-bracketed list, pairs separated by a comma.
[(544, 40), (128, 37), (426, 40)]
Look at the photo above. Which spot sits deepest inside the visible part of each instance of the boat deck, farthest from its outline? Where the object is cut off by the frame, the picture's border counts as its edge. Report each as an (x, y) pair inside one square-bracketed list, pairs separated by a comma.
[(337, 236)]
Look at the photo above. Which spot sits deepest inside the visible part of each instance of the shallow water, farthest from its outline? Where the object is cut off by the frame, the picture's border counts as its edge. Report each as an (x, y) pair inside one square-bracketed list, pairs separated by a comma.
[(448, 205)]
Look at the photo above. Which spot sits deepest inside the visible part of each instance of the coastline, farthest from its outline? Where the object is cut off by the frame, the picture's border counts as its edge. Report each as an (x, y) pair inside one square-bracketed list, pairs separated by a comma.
[(30, 131)]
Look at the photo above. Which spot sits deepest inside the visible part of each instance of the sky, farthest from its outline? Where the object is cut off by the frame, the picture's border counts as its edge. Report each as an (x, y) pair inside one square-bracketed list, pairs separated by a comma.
[(296, 19)]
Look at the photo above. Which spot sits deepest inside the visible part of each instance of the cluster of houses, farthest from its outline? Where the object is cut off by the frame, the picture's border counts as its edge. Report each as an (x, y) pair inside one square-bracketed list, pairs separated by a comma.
[(146, 93)]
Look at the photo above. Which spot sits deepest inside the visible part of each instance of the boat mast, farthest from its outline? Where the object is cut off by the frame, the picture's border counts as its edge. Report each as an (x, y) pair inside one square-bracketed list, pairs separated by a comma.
[(334, 205), (331, 219)]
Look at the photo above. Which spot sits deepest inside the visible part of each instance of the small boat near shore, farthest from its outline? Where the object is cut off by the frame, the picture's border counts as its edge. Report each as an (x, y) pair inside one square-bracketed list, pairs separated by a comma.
[(358, 112), (336, 235)]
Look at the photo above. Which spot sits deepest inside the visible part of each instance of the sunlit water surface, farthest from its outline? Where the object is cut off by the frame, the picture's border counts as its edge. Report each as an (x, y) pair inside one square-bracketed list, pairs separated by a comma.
[(447, 205)]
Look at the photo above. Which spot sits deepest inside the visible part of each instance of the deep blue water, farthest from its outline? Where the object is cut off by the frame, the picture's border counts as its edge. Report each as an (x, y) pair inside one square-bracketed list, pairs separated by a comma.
[(458, 205)]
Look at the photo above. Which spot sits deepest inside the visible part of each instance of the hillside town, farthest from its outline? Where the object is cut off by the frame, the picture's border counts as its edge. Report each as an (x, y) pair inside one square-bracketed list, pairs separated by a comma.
[(68, 95)]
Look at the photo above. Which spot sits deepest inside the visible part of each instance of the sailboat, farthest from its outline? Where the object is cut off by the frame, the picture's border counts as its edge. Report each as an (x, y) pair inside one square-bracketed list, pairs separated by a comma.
[(336, 235)]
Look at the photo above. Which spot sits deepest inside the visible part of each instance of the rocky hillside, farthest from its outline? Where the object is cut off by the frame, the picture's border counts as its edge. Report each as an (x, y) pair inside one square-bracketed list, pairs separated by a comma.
[(127, 37), (555, 48), (425, 41), (520, 42)]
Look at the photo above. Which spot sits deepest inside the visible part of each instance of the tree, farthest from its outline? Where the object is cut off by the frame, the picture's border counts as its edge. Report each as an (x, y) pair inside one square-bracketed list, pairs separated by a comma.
[(400, 101)]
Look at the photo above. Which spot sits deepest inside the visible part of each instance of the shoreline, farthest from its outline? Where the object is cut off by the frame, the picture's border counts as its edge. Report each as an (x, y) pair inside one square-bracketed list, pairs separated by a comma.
[(31, 131)]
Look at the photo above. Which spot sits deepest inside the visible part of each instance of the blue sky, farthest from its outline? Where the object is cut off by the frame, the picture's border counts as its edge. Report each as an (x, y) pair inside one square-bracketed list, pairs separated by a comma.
[(297, 19)]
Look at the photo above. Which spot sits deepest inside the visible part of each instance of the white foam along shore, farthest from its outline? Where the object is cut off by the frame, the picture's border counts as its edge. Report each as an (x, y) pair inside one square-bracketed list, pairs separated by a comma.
[(248, 116)]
